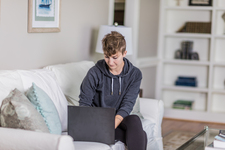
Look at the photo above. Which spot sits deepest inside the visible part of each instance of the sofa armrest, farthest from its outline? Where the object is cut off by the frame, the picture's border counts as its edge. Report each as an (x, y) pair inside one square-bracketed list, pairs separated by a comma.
[(18, 139), (153, 110)]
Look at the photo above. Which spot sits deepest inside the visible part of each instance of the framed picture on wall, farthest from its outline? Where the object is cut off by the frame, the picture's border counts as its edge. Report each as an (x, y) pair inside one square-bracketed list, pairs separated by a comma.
[(44, 16), (200, 2)]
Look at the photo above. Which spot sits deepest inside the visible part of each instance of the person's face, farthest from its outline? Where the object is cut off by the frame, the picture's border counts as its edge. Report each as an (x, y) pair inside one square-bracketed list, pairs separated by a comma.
[(115, 61)]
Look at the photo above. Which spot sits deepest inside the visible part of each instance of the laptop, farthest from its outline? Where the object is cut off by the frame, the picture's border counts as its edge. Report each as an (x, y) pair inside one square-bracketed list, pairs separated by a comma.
[(92, 124)]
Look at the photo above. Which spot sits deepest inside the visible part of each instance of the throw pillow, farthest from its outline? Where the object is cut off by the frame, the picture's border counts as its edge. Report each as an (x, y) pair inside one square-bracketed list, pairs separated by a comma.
[(18, 112), (45, 107)]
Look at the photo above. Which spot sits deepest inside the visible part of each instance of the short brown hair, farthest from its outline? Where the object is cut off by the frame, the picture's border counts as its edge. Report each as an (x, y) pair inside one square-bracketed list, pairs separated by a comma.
[(113, 42)]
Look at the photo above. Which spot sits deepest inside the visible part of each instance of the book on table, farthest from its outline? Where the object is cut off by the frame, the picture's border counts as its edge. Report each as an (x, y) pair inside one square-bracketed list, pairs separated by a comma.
[(219, 141), (211, 147)]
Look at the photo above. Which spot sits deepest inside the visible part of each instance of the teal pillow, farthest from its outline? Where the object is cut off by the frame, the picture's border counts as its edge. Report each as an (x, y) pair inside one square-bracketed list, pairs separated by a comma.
[(45, 107)]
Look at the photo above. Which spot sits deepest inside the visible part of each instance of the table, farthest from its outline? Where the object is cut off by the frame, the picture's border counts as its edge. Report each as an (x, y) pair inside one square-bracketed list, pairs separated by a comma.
[(200, 140)]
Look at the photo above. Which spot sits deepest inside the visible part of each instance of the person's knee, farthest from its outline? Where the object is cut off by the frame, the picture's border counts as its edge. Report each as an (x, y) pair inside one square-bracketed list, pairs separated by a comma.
[(132, 120)]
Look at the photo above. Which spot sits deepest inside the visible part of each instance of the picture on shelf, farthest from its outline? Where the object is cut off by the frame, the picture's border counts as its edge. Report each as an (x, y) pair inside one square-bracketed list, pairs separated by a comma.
[(200, 2)]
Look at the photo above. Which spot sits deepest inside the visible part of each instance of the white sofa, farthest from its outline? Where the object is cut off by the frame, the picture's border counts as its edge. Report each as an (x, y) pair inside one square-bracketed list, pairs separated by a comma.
[(62, 82)]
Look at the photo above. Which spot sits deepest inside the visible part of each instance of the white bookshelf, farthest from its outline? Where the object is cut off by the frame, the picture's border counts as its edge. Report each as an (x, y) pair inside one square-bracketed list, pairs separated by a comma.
[(209, 96)]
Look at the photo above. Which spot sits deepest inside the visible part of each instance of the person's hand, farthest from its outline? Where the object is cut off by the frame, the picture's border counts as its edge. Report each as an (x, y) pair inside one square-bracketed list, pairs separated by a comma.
[(118, 120)]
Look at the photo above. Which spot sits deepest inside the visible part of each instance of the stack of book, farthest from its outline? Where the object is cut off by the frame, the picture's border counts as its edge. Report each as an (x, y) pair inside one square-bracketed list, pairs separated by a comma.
[(219, 141), (186, 81), (183, 104), (196, 27)]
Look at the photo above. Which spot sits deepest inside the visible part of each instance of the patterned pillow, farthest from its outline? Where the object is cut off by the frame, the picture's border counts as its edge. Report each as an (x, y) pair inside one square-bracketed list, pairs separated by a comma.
[(18, 112)]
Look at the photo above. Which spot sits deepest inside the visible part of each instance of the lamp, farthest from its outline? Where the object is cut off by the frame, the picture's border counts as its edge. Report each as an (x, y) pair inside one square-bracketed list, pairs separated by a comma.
[(125, 31)]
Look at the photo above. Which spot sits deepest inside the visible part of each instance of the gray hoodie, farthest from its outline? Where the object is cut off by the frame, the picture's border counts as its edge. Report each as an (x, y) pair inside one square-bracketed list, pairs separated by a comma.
[(100, 88)]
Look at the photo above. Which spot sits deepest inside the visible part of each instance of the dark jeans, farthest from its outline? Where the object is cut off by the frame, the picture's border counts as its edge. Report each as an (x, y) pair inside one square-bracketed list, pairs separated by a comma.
[(131, 133)]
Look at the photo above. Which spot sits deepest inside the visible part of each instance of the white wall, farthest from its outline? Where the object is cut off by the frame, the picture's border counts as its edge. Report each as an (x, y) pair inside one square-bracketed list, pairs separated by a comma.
[(148, 28), (147, 43), (80, 20)]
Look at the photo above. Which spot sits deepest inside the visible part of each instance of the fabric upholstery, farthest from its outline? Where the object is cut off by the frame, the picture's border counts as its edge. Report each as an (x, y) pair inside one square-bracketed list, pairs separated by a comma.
[(136, 109), (18, 112), (44, 105), (17, 139), (46, 80), (69, 76)]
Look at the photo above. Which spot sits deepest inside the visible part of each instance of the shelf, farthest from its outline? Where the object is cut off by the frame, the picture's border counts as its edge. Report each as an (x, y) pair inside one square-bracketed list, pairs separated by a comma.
[(194, 115), (219, 63), (184, 88), (187, 8), (220, 9), (219, 91), (187, 62), (182, 110), (220, 36), (193, 35), (209, 96)]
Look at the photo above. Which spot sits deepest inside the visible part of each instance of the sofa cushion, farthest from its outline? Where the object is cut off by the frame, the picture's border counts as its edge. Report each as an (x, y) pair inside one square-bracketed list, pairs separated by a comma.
[(17, 139), (18, 112), (70, 76), (91, 146), (9, 80), (148, 127), (45, 107), (45, 79)]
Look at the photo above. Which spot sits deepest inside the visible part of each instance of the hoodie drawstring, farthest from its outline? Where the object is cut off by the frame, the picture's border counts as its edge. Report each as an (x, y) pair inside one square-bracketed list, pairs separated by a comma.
[(112, 87), (120, 86)]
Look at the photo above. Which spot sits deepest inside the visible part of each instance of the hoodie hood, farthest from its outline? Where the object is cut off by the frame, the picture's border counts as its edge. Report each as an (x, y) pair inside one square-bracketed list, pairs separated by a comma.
[(103, 67)]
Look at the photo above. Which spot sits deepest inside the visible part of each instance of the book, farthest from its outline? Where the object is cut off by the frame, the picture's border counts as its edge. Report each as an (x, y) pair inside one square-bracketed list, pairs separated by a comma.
[(222, 133), (211, 147), (186, 81), (183, 104), (220, 138), (219, 144), (219, 141)]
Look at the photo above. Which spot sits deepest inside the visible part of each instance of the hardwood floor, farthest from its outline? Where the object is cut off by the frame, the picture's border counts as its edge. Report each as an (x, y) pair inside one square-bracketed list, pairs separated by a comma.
[(169, 125)]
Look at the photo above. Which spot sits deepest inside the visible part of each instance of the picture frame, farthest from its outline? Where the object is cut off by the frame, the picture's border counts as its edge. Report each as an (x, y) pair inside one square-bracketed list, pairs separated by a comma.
[(200, 2), (44, 16)]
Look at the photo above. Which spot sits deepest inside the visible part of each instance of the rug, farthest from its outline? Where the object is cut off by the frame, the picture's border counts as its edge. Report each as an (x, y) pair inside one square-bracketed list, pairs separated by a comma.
[(175, 139)]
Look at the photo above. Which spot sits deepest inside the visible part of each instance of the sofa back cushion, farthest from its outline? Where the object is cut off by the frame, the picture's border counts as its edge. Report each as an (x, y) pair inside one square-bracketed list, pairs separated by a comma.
[(9, 80), (70, 76), (45, 79)]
